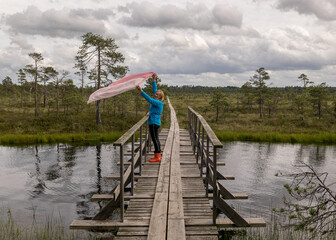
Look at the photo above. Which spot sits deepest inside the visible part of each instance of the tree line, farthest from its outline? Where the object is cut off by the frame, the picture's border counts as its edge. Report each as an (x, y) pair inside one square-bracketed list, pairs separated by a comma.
[(99, 61), (310, 100)]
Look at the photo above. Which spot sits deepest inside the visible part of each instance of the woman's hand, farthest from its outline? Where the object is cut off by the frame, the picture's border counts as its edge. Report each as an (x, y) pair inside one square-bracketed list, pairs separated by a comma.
[(154, 77), (139, 88)]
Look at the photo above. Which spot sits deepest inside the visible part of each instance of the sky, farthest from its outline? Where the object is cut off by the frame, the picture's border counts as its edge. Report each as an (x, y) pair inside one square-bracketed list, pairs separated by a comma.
[(207, 43)]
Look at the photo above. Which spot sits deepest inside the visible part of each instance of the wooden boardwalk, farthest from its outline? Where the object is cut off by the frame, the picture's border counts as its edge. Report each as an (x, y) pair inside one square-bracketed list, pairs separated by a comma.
[(169, 200)]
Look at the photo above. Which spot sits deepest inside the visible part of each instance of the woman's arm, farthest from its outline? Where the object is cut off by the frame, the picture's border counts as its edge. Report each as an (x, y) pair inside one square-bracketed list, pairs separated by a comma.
[(154, 86), (151, 100)]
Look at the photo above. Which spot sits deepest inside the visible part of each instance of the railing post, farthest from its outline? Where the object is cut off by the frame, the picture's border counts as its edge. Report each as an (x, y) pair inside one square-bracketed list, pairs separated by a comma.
[(202, 151), (122, 183), (192, 129), (198, 146), (140, 166), (146, 141), (207, 167), (149, 141), (189, 120), (215, 192), (195, 128), (132, 168)]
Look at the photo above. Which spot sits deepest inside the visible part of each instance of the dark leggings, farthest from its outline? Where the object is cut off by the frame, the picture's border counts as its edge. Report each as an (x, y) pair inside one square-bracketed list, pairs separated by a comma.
[(154, 132)]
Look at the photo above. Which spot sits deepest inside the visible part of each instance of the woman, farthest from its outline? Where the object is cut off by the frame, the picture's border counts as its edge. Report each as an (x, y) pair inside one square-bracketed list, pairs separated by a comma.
[(154, 120)]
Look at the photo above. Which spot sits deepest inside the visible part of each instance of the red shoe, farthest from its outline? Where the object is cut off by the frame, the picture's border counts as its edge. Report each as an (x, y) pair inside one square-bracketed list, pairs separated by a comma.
[(156, 158)]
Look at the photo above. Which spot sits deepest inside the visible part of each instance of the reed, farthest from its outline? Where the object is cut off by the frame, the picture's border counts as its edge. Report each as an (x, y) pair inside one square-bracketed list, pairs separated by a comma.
[(274, 230), (50, 229), (274, 137), (78, 138)]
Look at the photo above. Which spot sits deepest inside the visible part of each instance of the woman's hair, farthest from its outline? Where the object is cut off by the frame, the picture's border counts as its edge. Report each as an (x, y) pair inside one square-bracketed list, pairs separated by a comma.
[(161, 95)]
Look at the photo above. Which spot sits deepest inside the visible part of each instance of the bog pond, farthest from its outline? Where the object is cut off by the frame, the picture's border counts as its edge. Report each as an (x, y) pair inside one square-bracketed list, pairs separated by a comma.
[(57, 181)]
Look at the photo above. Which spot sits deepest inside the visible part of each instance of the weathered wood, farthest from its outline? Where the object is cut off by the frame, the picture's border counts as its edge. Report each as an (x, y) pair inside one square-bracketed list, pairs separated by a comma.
[(136, 177), (105, 224), (169, 200), (124, 138), (176, 225), (213, 138), (158, 221), (230, 212), (252, 222), (104, 197)]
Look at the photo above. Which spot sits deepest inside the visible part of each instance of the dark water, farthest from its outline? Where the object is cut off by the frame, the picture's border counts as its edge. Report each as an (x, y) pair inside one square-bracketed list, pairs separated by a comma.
[(254, 165), (58, 181)]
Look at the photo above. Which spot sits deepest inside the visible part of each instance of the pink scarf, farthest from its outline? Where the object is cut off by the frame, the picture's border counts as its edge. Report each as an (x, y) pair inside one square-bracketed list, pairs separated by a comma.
[(122, 85)]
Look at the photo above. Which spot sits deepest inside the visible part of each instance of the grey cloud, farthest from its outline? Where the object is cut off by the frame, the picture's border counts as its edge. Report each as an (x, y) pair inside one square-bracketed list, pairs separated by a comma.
[(21, 41), (101, 14), (59, 23), (277, 50), (194, 16), (324, 10), (225, 15), (11, 60)]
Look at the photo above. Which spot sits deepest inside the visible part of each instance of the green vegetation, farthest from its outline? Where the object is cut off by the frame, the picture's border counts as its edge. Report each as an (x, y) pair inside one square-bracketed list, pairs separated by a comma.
[(292, 115), (52, 108), (51, 229)]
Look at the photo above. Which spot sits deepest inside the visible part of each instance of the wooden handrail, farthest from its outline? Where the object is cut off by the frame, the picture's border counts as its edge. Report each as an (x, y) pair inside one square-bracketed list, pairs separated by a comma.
[(212, 136), (127, 135)]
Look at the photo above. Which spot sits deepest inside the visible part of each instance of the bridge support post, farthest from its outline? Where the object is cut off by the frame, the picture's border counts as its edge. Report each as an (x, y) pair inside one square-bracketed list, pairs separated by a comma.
[(140, 166), (215, 191), (121, 183)]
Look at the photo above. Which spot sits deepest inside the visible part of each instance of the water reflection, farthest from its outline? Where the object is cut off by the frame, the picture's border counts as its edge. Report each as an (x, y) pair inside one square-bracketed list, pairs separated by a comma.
[(99, 176), (60, 179), (317, 156), (40, 185), (255, 166), (261, 161)]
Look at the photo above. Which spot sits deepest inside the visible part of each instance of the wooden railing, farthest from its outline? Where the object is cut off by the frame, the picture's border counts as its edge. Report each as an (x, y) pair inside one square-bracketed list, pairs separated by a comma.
[(116, 197), (205, 144)]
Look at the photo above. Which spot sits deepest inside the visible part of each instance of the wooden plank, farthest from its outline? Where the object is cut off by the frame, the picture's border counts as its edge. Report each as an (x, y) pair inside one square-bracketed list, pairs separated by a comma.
[(106, 224), (104, 197), (116, 177), (213, 138), (230, 212), (157, 228), (124, 138), (176, 225), (106, 211), (253, 222)]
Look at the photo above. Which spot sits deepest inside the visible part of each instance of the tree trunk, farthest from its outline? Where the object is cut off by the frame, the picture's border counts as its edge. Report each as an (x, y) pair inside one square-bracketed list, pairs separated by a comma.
[(82, 84), (98, 118), (260, 104), (44, 95), (21, 96), (319, 110), (57, 101), (36, 113)]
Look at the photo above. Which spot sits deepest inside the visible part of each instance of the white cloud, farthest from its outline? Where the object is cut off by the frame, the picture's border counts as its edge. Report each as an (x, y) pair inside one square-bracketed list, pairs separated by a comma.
[(65, 23), (201, 43), (324, 10), (194, 16)]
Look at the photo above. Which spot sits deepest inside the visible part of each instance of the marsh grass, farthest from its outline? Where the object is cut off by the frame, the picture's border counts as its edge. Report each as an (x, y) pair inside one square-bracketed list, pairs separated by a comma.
[(304, 138), (77, 138), (275, 230), (233, 124), (51, 229)]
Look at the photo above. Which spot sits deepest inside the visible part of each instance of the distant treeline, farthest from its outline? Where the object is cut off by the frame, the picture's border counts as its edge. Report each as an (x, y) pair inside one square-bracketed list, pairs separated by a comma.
[(232, 89)]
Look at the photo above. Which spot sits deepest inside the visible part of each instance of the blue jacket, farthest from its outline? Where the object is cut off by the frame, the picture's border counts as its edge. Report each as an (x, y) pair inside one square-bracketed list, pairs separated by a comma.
[(155, 108)]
